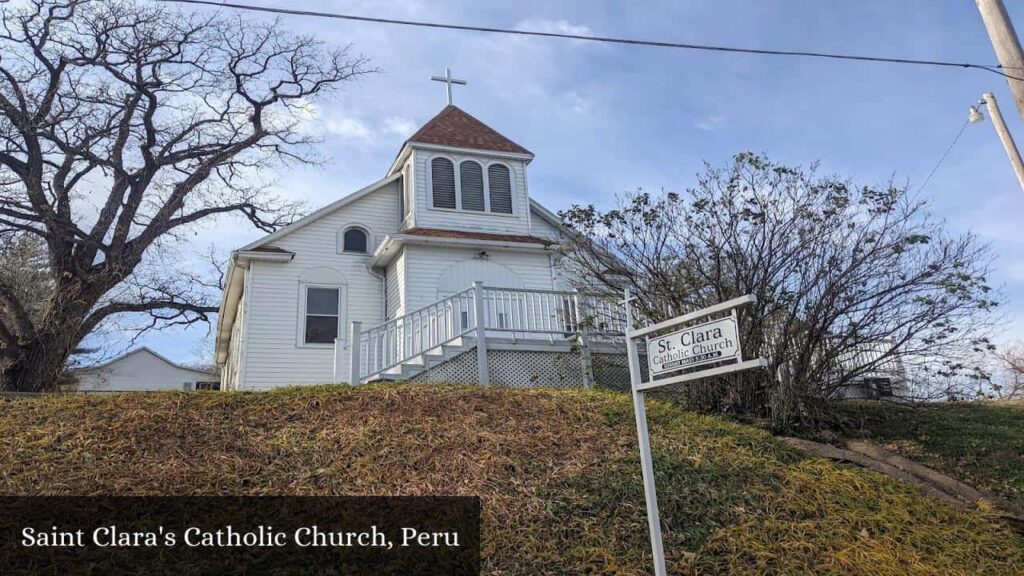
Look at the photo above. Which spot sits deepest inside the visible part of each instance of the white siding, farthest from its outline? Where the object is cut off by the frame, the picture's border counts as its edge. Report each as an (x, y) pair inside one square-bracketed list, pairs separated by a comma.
[(426, 264), (140, 371), (540, 227), (564, 270), (425, 216), (396, 286), (274, 354), (229, 373)]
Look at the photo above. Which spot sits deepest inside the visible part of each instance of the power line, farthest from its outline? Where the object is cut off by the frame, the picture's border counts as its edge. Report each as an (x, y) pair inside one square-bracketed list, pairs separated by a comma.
[(943, 158), (995, 68)]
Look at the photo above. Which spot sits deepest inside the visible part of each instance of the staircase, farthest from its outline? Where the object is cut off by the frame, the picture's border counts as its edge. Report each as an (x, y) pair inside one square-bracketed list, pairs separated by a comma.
[(406, 346), (424, 361)]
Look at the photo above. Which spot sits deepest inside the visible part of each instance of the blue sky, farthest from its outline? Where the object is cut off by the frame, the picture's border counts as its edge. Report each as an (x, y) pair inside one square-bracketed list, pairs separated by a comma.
[(603, 119)]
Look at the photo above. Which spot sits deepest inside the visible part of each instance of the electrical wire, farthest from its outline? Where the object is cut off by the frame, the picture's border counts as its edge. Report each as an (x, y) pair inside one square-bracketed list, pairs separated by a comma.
[(943, 158), (994, 68)]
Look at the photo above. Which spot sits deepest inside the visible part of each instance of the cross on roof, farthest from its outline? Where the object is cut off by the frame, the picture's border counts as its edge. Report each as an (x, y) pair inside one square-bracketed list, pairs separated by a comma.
[(448, 80)]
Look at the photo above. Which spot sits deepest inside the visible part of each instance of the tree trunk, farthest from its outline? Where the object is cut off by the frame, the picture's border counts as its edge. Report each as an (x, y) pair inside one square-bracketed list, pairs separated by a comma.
[(39, 365)]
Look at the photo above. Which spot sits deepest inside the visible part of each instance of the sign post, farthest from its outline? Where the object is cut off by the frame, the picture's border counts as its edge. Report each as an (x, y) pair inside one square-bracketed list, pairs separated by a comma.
[(712, 342)]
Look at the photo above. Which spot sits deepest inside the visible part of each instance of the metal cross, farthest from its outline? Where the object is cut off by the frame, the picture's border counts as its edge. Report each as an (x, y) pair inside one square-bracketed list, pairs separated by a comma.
[(447, 79)]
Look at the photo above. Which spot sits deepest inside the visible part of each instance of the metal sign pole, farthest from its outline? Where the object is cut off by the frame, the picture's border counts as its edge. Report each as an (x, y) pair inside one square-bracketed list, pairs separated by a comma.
[(713, 344), (643, 437)]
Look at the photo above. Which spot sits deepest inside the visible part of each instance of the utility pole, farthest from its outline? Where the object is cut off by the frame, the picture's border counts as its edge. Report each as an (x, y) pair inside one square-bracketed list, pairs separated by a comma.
[(1007, 46), (1004, 135)]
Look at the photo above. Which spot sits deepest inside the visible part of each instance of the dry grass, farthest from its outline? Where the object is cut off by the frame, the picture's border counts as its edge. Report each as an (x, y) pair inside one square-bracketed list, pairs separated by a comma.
[(557, 472)]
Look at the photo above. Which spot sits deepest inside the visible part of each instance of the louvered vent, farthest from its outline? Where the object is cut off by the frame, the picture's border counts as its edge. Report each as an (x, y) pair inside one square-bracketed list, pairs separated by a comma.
[(471, 176), (443, 182), (501, 189)]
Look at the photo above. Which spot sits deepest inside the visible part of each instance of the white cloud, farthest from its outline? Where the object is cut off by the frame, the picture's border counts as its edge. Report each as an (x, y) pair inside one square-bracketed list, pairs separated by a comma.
[(576, 102), (399, 126), (347, 128), (709, 123), (555, 27)]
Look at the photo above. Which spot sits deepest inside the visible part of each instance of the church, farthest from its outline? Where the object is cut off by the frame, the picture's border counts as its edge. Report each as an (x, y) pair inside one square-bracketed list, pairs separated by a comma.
[(445, 269)]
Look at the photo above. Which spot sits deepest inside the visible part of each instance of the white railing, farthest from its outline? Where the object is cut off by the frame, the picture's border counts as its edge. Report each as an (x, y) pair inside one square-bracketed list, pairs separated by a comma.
[(389, 344), (516, 310), (505, 311), (551, 312)]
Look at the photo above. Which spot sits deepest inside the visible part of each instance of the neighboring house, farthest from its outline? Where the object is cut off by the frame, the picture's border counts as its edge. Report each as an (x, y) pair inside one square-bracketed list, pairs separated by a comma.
[(143, 370), (399, 259)]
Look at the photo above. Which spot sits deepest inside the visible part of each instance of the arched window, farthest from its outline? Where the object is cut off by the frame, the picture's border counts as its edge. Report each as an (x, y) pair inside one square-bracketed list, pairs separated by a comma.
[(471, 177), (501, 188), (354, 240), (443, 182)]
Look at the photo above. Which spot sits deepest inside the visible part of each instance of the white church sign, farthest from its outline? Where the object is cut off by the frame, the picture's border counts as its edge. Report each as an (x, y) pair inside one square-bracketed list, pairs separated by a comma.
[(712, 342), (708, 343)]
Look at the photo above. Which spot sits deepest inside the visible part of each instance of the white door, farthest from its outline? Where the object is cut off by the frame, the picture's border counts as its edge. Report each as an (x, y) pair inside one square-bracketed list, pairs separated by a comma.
[(462, 275)]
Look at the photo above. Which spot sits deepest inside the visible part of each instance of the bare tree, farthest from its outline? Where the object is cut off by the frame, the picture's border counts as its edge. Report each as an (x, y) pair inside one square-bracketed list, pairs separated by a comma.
[(24, 272), (1009, 382), (122, 125), (847, 279)]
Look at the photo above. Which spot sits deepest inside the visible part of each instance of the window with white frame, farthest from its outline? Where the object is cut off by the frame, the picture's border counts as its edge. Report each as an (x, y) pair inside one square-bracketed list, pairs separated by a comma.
[(471, 179), (322, 318), (500, 185), (442, 172)]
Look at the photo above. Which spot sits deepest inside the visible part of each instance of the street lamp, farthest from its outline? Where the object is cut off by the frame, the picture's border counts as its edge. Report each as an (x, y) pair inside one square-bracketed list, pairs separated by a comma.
[(974, 116)]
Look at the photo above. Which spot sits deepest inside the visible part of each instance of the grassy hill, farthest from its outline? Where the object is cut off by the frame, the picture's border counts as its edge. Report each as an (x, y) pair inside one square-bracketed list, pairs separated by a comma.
[(557, 471), (981, 443)]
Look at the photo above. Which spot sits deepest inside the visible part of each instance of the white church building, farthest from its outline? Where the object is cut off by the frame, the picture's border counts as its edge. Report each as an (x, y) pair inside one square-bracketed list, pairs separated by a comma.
[(445, 270)]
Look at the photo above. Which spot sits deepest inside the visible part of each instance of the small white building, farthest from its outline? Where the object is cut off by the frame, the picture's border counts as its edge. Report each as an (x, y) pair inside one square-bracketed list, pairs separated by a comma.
[(143, 370), (397, 262)]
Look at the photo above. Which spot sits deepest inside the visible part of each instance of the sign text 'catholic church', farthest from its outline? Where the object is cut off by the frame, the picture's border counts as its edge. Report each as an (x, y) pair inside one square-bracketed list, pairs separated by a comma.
[(706, 343)]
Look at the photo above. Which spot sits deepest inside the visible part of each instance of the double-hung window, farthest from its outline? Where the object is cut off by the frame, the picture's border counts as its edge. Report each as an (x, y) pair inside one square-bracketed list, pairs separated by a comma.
[(323, 314)]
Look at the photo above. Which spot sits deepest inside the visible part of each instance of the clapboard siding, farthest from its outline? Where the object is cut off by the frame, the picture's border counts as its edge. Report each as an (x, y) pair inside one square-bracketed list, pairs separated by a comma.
[(274, 355), (425, 216), (540, 227), (396, 286), (426, 264), (229, 374), (565, 272)]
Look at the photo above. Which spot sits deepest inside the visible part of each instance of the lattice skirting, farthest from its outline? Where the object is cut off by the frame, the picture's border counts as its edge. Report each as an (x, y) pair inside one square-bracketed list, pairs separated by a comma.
[(460, 369), (528, 369)]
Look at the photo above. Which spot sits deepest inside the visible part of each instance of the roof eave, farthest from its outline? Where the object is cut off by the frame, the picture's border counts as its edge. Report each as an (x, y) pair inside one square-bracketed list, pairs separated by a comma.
[(388, 248), (318, 214), (525, 157)]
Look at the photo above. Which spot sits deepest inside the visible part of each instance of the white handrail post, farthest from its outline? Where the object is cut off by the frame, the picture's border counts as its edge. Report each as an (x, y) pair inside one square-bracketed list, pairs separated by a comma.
[(353, 353), (482, 373)]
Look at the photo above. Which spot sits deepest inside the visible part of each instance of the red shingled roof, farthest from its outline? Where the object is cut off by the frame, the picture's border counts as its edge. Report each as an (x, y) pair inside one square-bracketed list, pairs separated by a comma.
[(454, 127), (437, 233)]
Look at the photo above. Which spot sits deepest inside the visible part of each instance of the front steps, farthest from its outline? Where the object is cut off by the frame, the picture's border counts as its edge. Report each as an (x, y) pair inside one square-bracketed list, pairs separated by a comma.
[(425, 361)]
